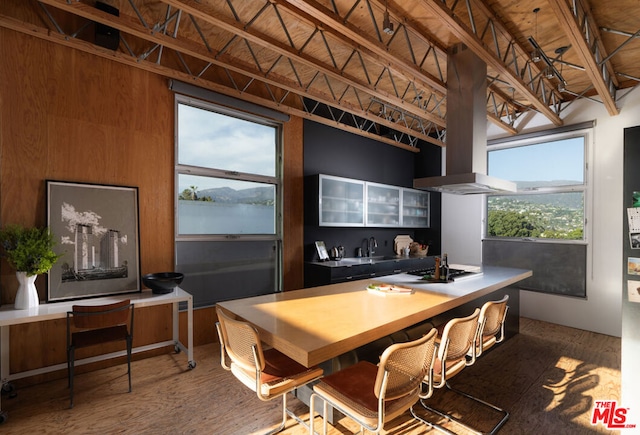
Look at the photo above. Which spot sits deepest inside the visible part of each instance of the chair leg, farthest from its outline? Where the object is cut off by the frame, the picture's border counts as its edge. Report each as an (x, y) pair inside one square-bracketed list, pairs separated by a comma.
[(427, 422), (312, 415), (129, 345), (284, 417), (503, 420), (505, 413), (286, 412), (70, 371)]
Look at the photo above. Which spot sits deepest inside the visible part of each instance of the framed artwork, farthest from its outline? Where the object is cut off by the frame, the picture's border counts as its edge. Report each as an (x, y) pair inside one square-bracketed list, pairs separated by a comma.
[(322, 251), (96, 231), (633, 266)]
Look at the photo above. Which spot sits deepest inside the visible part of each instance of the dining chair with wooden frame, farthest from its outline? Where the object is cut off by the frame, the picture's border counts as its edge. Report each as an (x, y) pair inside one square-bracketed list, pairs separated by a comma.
[(93, 325)]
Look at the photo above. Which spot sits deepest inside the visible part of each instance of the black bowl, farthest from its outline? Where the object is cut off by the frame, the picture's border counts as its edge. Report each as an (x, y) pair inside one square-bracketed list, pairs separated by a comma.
[(162, 282)]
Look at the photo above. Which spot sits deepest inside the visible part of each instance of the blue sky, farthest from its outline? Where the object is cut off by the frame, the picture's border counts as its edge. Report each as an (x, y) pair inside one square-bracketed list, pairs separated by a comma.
[(558, 160), (212, 140)]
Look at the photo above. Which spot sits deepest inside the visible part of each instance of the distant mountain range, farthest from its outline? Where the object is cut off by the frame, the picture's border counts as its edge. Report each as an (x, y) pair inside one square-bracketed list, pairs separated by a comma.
[(567, 200), (553, 183), (244, 196)]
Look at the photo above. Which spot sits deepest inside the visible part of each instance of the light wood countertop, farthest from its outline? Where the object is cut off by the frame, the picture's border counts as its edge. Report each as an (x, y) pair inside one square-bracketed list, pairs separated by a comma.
[(316, 324)]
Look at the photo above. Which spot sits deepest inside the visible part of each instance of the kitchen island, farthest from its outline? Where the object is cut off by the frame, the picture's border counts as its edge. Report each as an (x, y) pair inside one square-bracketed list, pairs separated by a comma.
[(316, 324)]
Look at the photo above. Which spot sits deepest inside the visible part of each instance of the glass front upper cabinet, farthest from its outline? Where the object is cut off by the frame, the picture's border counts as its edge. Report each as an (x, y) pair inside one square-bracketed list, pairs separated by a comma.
[(415, 208), (383, 205), (341, 202), (345, 202)]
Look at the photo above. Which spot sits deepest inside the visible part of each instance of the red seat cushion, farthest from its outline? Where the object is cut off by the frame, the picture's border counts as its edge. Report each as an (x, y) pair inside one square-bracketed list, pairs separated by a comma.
[(277, 366), (356, 383)]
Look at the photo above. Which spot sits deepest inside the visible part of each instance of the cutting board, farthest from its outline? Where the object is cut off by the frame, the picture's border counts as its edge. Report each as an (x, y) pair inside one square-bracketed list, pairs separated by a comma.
[(401, 242)]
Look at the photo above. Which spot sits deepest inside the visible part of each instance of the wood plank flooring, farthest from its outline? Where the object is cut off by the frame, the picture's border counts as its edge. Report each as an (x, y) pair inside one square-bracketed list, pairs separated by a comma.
[(548, 377)]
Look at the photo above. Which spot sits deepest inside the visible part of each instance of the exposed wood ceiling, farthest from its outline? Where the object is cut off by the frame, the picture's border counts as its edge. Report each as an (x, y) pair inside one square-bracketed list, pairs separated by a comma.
[(338, 62)]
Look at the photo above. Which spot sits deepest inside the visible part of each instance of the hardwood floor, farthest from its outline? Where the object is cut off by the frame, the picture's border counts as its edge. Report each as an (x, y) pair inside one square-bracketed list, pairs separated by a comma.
[(547, 377)]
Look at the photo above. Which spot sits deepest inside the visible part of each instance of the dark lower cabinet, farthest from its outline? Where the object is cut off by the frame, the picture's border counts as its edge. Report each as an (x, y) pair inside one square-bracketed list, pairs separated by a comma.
[(316, 274)]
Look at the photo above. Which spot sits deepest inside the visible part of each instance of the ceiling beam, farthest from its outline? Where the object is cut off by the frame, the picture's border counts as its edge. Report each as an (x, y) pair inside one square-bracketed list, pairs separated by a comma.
[(208, 15), (225, 61), (355, 38), (199, 52), (467, 37), (576, 33), (500, 123), (152, 67)]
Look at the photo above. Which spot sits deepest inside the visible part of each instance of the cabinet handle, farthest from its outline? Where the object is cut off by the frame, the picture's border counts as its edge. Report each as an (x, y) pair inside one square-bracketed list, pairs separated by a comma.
[(397, 270), (372, 274)]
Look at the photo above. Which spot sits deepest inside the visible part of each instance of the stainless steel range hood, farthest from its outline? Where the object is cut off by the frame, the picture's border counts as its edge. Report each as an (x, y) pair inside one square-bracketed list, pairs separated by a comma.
[(465, 184), (466, 152)]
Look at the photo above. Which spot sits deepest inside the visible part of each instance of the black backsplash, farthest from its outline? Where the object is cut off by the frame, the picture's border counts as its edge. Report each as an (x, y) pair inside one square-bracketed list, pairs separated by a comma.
[(331, 151)]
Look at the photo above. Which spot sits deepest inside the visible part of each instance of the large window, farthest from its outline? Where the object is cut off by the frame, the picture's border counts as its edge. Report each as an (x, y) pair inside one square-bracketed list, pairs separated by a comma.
[(551, 177), (226, 173), (543, 226), (228, 231)]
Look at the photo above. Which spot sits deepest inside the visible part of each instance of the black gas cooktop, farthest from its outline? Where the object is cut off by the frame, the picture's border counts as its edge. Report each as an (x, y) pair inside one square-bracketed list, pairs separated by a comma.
[(454, 274)]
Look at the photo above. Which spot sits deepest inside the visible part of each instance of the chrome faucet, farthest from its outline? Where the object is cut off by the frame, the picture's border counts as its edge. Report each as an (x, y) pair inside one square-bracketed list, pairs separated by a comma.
[(372, 244)]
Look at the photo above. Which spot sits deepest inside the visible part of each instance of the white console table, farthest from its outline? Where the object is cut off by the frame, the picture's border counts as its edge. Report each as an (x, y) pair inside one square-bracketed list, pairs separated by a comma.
[(58, 310)]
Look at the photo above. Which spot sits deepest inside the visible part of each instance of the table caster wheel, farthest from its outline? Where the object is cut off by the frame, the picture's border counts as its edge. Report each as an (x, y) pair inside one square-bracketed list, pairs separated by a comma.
[(3, 417), (9, 389), (192, 365), (177, 349)]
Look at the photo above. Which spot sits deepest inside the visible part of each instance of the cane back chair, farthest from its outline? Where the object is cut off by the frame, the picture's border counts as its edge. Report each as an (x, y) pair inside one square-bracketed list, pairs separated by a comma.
[(269, 373), (371, 395), (492, 317), (458, 338), (491, 331)]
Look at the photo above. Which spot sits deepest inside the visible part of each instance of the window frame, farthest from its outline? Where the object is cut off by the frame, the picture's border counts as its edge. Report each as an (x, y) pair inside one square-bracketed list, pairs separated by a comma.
[(276, 180), (203, 298), (586, 132)]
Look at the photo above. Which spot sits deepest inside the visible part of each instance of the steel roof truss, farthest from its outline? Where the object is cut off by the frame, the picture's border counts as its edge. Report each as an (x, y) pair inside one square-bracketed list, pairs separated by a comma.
[(506, 65), (583, 32)]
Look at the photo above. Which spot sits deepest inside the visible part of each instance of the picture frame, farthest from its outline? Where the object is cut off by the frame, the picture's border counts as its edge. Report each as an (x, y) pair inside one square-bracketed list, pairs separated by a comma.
[(322, 251), (633, 266), (96, 230)]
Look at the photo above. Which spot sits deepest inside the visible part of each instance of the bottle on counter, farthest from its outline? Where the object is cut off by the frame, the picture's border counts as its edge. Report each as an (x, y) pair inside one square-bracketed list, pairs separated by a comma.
[(436, 271), (444, 266)]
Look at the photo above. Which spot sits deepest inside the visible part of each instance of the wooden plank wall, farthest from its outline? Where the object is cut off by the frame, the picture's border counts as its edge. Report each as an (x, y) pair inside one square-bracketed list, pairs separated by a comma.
[(70, 115)]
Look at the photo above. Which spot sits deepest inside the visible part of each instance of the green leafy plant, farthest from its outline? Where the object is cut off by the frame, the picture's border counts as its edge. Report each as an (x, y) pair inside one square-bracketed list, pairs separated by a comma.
[(28, 250)]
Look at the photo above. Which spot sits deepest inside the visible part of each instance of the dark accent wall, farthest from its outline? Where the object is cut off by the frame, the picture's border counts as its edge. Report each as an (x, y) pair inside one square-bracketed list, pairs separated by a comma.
[(335, 152), (558, 268)]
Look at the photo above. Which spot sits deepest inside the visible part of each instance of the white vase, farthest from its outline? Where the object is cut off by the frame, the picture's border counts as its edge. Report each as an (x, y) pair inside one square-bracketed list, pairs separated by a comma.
[(27, 296)]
